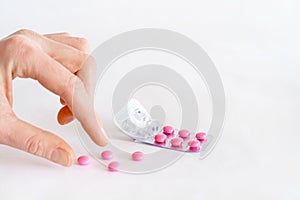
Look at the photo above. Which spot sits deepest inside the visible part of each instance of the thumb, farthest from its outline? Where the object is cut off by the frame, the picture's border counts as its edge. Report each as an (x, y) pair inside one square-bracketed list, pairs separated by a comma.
[(24, 136)]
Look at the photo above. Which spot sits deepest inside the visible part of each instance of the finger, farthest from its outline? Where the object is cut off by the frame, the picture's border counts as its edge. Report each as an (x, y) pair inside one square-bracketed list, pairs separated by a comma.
[(78, 43), (62, 82), (58, 34), (88, 76), (83, 110), (68, 56), (62, 101), (65, 115), (6, 85), (86, 73), (24, 136)]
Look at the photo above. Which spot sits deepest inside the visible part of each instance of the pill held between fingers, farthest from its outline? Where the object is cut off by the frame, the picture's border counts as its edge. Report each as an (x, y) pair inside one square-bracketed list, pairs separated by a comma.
[(176, 142), (201, 136), (137, 156), (169, 130), (113, 166), (184, 133), (83, 160), (106, 155), (160, 138)]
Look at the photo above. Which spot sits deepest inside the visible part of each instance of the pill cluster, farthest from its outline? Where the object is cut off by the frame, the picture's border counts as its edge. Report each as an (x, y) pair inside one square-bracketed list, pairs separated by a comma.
[(134, 121), (108, 155), (180, 140)]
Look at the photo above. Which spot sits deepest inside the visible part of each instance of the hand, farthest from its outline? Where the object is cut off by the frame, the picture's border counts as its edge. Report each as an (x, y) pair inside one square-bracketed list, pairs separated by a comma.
[(62, 65)]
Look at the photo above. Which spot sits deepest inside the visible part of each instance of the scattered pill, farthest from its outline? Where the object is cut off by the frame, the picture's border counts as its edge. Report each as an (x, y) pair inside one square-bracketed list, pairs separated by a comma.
[(137, 156), (184, 133), (168, 130), (176, 142), (113, 166), (83, 160), (201, 136), (106, 155), (160, 138)]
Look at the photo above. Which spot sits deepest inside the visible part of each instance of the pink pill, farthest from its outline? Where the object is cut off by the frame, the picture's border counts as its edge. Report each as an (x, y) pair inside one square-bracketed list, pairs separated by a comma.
[(194, 145), (184, 133), (83, 160), (106, 155), (169, 130), (176, 142), (201, 136), (113, 166), (137, 156), (195, 149), (160, 138)]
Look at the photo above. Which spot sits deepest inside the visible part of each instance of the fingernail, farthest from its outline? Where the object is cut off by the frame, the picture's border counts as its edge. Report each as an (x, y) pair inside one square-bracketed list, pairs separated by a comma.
[(62, 157), (67, 119)]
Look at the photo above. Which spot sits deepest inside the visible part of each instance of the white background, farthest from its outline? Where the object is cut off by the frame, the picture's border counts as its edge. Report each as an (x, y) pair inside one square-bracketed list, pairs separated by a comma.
[(255, 46)]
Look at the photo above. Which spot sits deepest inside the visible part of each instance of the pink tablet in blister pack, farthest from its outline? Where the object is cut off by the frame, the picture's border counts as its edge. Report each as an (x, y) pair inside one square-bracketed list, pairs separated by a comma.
[(135, 122), (175, 140)]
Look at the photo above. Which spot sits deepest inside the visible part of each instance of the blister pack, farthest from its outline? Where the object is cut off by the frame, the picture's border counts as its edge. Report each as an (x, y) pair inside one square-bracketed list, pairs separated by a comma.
[(134, 121)]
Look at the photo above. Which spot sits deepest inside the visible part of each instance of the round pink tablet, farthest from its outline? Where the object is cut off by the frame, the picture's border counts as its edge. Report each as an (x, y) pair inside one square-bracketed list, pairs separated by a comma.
[(184, 133), (83, 160), (176, 142), (106, 155), (201, 136), (194, 145), (160, 138), (137, 156), (113, 166), (195, 149), (169, 130)]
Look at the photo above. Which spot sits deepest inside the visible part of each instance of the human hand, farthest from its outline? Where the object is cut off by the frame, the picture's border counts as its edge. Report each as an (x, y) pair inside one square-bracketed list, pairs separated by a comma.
[(61, 64)]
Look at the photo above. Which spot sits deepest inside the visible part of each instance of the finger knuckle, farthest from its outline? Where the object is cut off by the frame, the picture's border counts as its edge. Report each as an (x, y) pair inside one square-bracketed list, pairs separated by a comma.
[(7, 119), (83, 44), (42, 144), (78, 63), (16, 41), (35, 145), (20, 49), (19, 43), (65, 33), (25, 32), (70, 82), (82, 40), (84, 57), (91, 62), (69, 87)]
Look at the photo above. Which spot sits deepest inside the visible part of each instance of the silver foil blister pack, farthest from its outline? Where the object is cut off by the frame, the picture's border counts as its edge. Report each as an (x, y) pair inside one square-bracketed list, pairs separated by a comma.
[(134, 121)]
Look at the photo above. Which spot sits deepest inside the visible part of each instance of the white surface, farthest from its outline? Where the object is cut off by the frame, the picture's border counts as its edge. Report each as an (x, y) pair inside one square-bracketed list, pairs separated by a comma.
[(255, 46)]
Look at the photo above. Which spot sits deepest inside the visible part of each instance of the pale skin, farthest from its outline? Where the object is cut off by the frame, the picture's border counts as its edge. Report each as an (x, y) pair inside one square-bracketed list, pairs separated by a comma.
[(60, 63)]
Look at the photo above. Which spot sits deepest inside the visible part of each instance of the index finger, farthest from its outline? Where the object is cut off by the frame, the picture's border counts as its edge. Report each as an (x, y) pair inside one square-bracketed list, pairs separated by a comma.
[(53, 76), (83, 110)]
